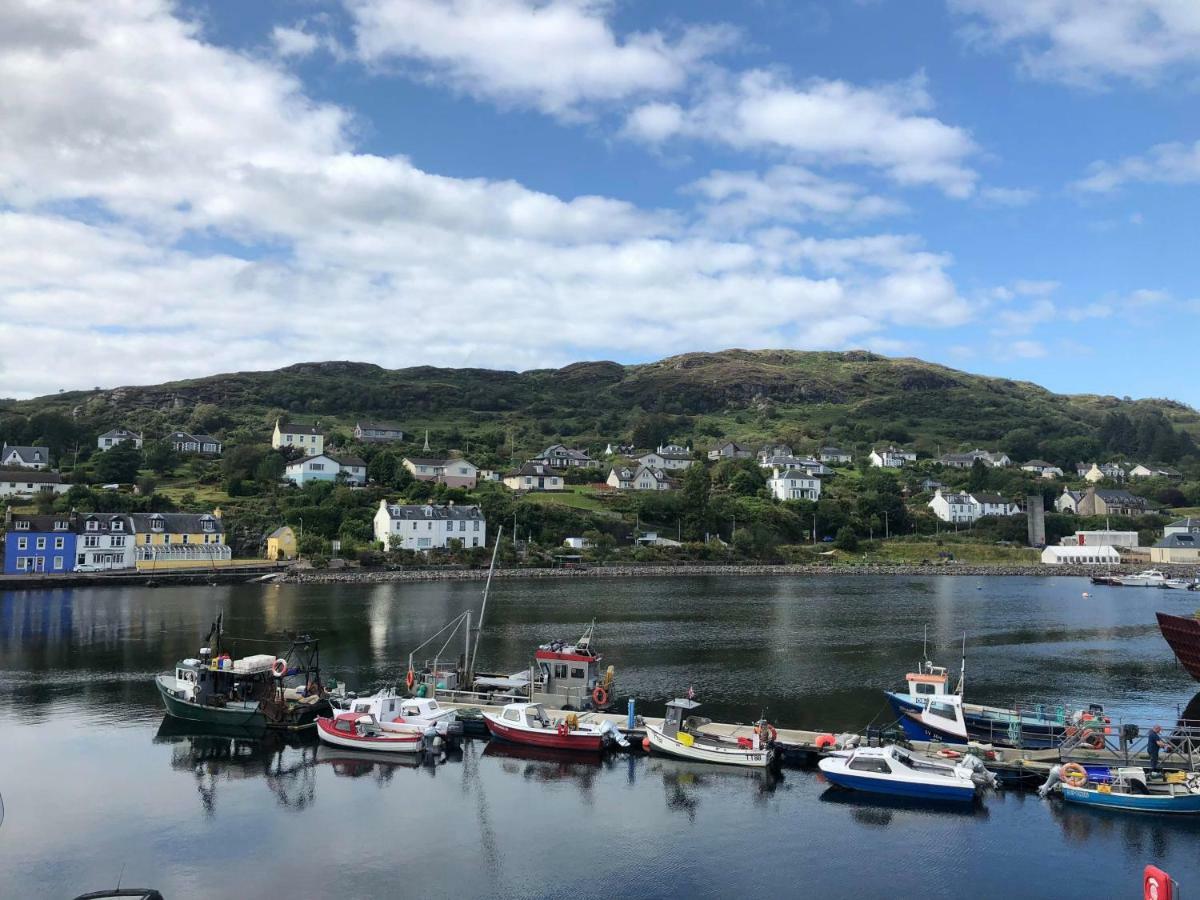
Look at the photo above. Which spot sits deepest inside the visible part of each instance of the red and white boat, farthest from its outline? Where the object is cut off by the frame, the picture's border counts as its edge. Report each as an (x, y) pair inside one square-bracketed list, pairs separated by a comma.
[(364, 732), (527, 723)]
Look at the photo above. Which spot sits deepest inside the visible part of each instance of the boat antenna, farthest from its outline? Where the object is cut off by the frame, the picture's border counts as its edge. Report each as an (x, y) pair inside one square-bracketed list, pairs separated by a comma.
[(483, 607), (962, 672), (924, 648)]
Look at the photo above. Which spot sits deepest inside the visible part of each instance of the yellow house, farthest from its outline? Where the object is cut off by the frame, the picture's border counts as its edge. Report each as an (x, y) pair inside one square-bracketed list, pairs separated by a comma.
[(281, 544), (291, 434), (1177, 548), (179, 541)]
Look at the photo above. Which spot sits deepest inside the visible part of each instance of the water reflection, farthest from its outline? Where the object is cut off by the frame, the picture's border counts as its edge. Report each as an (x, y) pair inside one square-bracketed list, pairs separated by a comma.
[(878, 811), (546, 764), (686, 783)]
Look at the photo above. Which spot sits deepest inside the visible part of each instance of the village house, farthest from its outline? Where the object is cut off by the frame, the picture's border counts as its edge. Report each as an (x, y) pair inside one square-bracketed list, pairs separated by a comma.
[(327, 467), (1068, 501), (967, 460), (1099, 471), (1042, 468), (995, 505), (104, 542), (30, 482), (14, 457), (35, 545), (619, 449), (834, 456), (669, 458), (534, 476), (1188, 525), (428, 527), (305, 437), (891, 458), (560, 456), (1101, 502), (179, 541), (774, 450), (204, 444), (577, 543), (639, 478), (730, 450), (377, 432), (110, 439), (954, 508), (1177, 548), (810, 466), (452, 472), (1143, 471), (282, 544), (794, 484)]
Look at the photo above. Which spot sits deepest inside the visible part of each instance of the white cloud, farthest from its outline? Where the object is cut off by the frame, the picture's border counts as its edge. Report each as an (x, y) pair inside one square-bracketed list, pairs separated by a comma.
[(1003, 196), (552, 55), (293, 42), (821, 122), (1173, 163), (1027, 349), (1087, 42), (143, 142)]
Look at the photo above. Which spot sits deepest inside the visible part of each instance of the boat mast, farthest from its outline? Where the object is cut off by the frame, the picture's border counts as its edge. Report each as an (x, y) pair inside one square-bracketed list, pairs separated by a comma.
[(483, 607)]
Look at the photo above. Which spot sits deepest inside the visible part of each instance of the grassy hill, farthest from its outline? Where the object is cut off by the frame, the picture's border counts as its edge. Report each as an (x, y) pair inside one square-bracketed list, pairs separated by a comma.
[(850, 398)]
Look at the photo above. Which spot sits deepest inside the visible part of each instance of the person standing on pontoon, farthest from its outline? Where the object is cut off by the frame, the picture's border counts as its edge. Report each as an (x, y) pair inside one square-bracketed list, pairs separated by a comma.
[(1155, 742)]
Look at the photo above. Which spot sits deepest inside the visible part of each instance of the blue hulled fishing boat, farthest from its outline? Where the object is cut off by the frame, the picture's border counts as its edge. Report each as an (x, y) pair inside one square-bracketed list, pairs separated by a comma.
[(894, 771), (1129, 789)]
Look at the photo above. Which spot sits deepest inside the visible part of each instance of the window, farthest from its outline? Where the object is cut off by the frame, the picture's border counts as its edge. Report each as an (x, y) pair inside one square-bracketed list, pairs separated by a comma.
[(186, 538), (21, 560), (560, 670), (578, 673), (944, 710), (22, 543), (511, 715), (91, 540), (118, 525), (117, 541), (926, 689), (58, 563), (60, 543), (92, 525), (41, 543), (870, 764), (21, 526)]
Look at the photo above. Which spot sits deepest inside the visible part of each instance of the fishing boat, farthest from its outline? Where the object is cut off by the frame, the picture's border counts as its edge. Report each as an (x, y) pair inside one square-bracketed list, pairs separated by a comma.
[(1131, 789), (682, 735), (1180, 584), (364, 732), (1182, 634), (930, 711), (387, 706), (894, 771), (1146, 578), (256, 691), (527, 723)]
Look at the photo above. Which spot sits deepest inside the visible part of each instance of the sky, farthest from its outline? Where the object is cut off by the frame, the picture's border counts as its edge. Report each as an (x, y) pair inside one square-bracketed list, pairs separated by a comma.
[(1003, 186)]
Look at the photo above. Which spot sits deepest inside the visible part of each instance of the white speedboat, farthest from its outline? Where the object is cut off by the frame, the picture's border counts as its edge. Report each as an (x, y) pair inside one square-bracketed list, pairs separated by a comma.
[(894, 771), (362, 731), (389, 708), (1147, 578), (1179, 584), (682, 735)]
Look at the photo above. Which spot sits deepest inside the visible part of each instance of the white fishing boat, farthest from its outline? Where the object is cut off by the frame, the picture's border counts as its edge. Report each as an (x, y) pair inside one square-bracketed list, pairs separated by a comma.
[(682, 735), (363, 731), (1146, 578), (1180, 584), (1128, 788), (389, 707), (894, 771)]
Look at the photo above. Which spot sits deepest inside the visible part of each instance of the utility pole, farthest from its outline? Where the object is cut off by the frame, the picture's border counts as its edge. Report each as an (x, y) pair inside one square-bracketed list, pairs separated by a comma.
[(814, 529), (887, 532)]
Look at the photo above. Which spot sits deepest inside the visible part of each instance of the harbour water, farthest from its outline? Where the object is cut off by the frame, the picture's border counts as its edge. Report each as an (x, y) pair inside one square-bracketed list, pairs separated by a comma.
[(96, 787)]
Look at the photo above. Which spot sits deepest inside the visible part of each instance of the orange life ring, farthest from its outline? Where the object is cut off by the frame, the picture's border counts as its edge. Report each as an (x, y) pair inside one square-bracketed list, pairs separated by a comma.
[(600, 696), (1074, 774), (410, 679), (826, 740), (949, 754)]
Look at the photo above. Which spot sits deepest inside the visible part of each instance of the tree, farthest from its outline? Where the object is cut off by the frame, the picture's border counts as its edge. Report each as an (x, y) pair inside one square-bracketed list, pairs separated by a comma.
[(696, 489), (846, 539), (161, 457), (978, 479), (651, 430), (120, 464)]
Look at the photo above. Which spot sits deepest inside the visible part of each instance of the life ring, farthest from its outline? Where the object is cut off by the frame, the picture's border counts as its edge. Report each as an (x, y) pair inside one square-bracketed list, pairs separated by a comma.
[(410, 679), (279, 668), (1074, 774), (600, 696), (949, 754), (1095, 740), (562, 729), (826, 740)]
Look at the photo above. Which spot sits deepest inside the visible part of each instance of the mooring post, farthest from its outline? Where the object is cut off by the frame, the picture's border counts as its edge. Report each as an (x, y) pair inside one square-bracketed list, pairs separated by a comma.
[(632, 722)]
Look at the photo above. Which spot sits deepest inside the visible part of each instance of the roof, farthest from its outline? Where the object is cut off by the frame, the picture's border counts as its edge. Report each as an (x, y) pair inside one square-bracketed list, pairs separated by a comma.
[(426, 461), (535, 468), (1120, 497), (829, 451), (564, 450), (794, 473), (1040, 463), (278, 532), (1180, 542), (683, 703), (378, 426), (175, 523), (1188, 522), (30, 476), (27, 454), (44, 522), (991, 498), (665, 454), (120, 432), (296, 428), (427, 511), (346, 459), (105, 520)]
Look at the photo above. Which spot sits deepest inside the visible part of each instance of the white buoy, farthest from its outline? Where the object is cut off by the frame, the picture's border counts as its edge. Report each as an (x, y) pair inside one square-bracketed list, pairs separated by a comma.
[(1086, 594)]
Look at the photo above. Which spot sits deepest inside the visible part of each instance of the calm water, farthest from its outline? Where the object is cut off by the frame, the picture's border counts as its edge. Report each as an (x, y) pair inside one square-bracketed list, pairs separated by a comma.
[(94, 783)]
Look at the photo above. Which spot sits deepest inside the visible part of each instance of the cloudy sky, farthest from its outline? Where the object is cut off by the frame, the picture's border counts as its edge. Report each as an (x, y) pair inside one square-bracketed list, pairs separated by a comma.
[(1005, 186)]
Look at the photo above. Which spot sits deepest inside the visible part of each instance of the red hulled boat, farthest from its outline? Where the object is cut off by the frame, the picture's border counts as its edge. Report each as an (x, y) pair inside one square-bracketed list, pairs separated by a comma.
[(527, 723), (1182, 633)]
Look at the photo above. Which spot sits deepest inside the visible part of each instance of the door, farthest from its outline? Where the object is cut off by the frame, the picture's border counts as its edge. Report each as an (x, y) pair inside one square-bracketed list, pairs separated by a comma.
[(39, 564)]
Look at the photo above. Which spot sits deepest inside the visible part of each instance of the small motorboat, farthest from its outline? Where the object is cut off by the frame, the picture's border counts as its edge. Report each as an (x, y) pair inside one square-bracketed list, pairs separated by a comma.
[(1179, 584), (1131, 788), (894, 771), (682, 735), (364, 732), (527, 723), (388, 707), (1146, 578)]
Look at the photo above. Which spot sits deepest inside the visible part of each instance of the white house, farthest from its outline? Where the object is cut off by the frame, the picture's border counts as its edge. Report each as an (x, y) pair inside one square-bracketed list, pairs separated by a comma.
[(1068, 501), (1143, 471), (291, 434), (452, 472), (671, 458), (967, 460), (730, 450), (1127, 539), (642, 478), (377, 432), (26, 484), (891, 458), (1042, 468), (105, 542), (14, 457), (428, 527), (562, 457), (110, 439), (183, 442), (995, 505), (1098, 472), (794, 484), (327, 467), (811, 466), (534, 476), (956, 508), (835, 456)]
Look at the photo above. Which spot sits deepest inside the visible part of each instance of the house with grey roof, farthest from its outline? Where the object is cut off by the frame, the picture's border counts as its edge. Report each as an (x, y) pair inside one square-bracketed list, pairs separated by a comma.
[(30, 482), (535, 475), (730, 450), (15, 457), (377, 432), (835, 456), (1187, 525), (1177, 548), (204, 444), (293, 434), (428, 527), (118, 436), (1042, 468), (638, 478), (560, 456)]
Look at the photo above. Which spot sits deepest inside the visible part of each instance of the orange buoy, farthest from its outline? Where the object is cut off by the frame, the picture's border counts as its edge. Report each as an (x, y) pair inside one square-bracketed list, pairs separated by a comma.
[(826, 740), (646, 744), (600, 696)]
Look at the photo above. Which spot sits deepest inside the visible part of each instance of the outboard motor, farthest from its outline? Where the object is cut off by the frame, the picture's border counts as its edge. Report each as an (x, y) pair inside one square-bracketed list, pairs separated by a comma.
[(611, 734), (980, 774), (1053, 780)]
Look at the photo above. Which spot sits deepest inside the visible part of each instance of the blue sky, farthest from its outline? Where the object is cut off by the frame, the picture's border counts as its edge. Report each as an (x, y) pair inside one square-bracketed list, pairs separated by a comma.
[(1003, 186)]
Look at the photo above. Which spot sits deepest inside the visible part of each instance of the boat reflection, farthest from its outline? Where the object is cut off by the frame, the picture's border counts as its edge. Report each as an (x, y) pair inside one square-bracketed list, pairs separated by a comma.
[(880, 811), (686, 782), (213, 754), (545, 764)]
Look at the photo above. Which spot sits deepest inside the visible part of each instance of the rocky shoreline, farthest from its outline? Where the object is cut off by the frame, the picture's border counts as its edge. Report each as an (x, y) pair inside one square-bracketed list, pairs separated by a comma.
[(376, 576)]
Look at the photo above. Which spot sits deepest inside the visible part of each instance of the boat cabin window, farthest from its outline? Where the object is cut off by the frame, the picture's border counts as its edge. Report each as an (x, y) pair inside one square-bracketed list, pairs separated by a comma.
[(512, 715), (344, 725), (578, 673), (926, 688), (432, 705), (362, 707), (944, 710), (870, 764), (560, 670)]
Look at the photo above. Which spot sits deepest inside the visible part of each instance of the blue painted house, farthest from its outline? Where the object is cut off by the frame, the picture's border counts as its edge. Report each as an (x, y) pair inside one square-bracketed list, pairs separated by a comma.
[(39, 544)]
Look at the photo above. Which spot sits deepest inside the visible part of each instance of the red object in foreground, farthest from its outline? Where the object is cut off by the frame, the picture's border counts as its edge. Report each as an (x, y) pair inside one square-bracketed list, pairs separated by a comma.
[(1156, 884), (1182, 633), (528, 729)]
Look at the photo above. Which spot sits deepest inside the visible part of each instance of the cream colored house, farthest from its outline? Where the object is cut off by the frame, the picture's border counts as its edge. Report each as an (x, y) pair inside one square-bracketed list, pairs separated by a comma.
[(1177, 548), (291, 434), (281, 544), (534, 476)]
